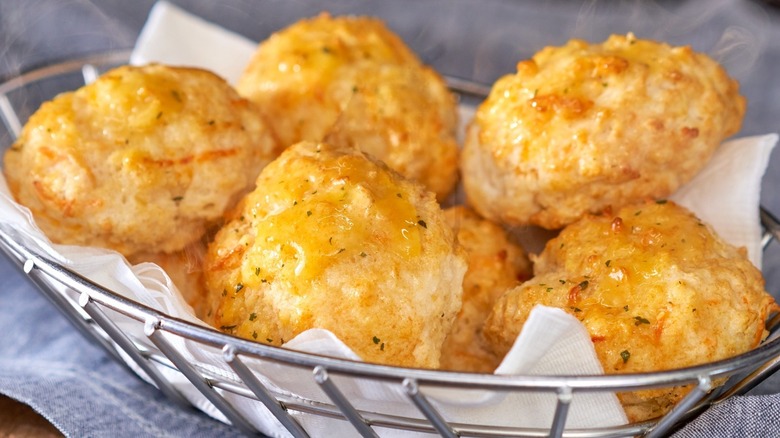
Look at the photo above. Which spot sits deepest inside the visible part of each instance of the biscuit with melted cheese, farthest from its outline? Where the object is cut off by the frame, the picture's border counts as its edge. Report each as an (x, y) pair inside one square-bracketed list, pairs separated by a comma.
[(583, 127), (656, 288), (144, 159), (495, 265), (332, 239), (351, 80)]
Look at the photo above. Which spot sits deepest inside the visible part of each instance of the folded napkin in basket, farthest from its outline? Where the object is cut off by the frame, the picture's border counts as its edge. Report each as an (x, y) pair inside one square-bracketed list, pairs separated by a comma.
[(725, 194)]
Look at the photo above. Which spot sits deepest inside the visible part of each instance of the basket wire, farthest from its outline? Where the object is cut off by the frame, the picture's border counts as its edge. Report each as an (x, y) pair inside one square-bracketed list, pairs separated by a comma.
[(90, 308)]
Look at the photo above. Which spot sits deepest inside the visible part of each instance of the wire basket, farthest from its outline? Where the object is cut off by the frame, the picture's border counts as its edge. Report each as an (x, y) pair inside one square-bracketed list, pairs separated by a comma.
[(144, 339)]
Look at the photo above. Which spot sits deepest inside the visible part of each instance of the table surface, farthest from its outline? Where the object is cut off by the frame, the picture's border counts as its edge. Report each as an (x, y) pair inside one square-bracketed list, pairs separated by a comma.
[(21, 421), (479, 40)]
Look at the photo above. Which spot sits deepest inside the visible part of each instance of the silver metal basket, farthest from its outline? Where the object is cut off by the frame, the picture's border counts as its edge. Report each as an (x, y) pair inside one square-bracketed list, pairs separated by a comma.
[(103, 316)]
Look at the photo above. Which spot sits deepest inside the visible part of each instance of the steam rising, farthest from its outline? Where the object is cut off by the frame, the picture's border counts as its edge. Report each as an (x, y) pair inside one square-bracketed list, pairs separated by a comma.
[(481, 40), (737, 50), (736, 40), (710, 27), (31, 31)]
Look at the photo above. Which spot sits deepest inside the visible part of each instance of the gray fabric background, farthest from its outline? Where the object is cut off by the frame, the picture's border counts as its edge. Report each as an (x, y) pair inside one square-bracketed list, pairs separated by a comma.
[(45, 363)]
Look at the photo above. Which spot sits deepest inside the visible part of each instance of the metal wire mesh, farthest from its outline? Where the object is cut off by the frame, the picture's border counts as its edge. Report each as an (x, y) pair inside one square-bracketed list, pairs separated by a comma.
[(94, 311)]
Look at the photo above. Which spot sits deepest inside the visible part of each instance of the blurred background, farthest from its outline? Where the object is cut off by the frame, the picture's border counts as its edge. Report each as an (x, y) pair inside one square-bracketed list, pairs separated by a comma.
[(476, 40)]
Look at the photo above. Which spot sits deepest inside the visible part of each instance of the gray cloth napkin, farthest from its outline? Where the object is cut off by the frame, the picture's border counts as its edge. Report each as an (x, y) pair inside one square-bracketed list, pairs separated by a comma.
[(77, 386), (45, 362), (755, 416)]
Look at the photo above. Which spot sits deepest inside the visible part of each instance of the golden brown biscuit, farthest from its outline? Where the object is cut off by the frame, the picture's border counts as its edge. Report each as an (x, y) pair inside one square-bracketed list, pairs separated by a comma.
[(354, 75), (332, 239), (143, 159), (404, 117), (582, 127), (495, 265), (656, 288)]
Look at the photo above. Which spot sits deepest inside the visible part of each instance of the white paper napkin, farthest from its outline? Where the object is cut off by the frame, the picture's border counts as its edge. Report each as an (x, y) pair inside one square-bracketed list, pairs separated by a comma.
[(726, 193), (552, 342), (174, 37)]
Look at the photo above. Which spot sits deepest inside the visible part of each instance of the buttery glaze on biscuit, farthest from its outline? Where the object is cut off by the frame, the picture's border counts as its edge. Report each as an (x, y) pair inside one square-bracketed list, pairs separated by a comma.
[(656, 288), (583, 127), (350, 80), (142, 160), (332, 239)]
